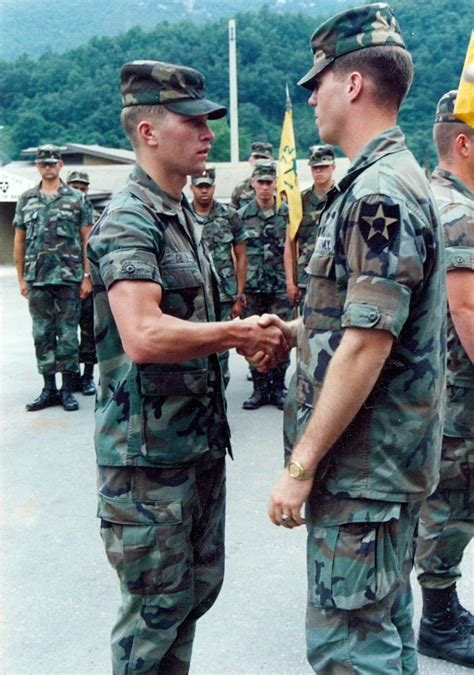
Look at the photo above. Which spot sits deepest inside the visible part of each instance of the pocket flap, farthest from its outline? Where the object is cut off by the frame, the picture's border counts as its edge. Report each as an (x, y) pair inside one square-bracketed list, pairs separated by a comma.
[(129, 512), (173, 382)]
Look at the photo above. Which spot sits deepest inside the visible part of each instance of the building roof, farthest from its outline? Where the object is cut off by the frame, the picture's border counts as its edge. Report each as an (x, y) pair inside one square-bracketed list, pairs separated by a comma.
[(99, 151)]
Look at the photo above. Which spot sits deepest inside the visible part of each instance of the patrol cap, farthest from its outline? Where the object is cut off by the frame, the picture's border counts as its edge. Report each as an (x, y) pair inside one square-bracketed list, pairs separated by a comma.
[(321, 155), (261, 149), (78, 177), (371, 25), (48, 154), (207, 177), (445, 108), (177, 88), (264, 171)]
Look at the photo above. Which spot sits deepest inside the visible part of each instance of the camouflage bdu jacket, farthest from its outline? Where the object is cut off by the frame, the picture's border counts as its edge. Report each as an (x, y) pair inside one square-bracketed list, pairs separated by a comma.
[(242, 194), (54, 249), (456, 208), (266, 231), (378, 264), (154, 414), (222, 229), (306, 236)]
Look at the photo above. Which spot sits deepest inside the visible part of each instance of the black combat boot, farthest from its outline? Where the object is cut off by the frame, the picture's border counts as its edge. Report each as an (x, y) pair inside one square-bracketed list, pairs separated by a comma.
[(260, 392), (88, 386), (68, 400), (278, 390), (442, 635), (76, 382), (463, 614), (49, 395)]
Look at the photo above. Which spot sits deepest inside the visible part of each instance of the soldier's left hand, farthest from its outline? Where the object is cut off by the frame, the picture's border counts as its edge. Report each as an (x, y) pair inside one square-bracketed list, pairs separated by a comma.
[(238, 309), (86, 289), (286, 502)]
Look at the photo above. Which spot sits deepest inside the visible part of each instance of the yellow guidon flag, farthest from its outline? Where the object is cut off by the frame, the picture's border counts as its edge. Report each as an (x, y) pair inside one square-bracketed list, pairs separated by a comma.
[(464, 106), (287, 182)]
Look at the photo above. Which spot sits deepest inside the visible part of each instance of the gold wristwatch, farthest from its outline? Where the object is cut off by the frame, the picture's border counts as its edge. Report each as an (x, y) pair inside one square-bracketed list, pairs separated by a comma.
[(297, 470)]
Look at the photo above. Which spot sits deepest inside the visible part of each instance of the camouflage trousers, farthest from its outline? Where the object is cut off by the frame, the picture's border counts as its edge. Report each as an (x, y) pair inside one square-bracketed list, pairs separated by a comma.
[(290, 431), (447, 517), (87, 352), (54, 311), (360, 606), (163, 531)]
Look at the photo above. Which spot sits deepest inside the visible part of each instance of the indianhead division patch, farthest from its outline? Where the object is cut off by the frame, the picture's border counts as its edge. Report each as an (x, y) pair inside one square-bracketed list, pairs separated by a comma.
[(379, 224)]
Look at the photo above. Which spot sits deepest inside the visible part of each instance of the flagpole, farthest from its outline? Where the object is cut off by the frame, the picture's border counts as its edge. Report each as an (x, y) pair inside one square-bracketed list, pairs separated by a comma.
[(233, 93)]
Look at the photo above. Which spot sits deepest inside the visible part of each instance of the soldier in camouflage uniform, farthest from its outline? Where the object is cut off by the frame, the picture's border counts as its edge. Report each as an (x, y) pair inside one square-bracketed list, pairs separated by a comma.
[(447, 517), (371, 351), (221, 230), (51, 230), (161, 428), (243, 193), (322, 163), (265, 290), (79, 180)]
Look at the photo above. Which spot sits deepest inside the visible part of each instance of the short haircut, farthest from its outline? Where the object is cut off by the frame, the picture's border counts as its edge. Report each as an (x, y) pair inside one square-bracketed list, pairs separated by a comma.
[(389, 67), (445, 134), (131, 116)]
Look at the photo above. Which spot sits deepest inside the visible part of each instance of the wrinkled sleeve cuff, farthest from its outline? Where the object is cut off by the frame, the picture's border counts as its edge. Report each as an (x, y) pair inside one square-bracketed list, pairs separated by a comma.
[(373, 302), (459, 258), (129, 265)]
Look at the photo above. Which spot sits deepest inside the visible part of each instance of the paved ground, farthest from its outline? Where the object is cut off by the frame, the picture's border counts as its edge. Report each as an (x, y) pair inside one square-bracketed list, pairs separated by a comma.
[(58, 594)]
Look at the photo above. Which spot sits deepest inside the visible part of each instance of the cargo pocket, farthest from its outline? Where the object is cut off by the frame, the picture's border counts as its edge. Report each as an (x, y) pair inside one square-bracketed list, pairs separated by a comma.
[(354, 564), (150, 558)]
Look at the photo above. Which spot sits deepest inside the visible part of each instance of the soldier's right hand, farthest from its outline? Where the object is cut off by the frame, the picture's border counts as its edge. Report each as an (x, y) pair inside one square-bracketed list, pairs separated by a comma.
[(269, 339), (24, 288)]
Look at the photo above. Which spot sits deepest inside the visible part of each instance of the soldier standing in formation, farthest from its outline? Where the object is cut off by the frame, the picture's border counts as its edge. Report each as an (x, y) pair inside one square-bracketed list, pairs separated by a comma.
[(322, 163), (221, 230), (51, 230), (161, 427), (79, 180), (243, 193), (265, 290), (447, 517), (370, 372)]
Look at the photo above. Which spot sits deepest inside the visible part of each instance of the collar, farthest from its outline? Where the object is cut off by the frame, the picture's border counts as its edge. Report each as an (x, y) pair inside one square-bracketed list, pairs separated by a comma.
[(161, 200), (387, 143), (443, 175)]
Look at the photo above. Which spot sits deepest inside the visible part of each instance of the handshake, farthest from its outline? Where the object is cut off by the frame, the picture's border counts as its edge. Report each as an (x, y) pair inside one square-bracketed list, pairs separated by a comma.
[(268, 340)]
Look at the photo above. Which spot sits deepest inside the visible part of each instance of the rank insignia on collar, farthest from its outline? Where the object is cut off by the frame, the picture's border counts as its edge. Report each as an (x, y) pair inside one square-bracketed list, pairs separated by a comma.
[(379, 224)]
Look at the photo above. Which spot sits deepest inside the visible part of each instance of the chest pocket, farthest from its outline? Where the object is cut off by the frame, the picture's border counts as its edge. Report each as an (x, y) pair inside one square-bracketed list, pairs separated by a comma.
[(182, 284), (30, 221), (66, 224), (322, 309)]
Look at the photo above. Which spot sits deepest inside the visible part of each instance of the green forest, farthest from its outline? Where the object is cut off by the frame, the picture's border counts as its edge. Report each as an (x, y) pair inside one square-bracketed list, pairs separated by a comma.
[(74, 97)]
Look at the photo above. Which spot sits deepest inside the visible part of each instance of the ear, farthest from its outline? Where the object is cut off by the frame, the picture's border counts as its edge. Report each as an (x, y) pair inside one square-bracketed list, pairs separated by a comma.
[(355, 85), (462, 145), (146, 131)]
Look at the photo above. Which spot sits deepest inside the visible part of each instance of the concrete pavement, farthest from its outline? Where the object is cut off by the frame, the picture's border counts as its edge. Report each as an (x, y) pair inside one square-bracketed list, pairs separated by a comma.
[(58, 594)]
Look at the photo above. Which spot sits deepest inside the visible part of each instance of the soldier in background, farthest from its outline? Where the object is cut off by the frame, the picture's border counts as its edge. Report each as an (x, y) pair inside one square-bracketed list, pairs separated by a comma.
[(371, 358), (79, 180), (265, 289), (323, 165), (243, 193), (52, 225), (161, 427), (447, 517), (221, 229)]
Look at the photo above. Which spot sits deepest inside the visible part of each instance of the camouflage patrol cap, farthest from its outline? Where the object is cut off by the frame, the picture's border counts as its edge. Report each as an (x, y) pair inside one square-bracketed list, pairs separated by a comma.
[(261, 149), (177, 88), (48, 154), (372, 25), (321, 155), (445, 108), (264, 171), (78, 177), (207, 177)]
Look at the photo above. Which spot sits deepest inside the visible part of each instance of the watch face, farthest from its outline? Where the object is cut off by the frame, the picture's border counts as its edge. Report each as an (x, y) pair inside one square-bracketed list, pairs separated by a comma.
[(293, 470)]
